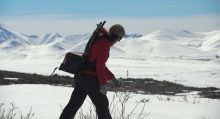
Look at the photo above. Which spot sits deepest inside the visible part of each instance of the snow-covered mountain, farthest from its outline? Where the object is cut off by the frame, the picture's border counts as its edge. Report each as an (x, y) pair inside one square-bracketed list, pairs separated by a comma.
[(45, 39), (212, 42), (208, 42), (6, 33), (162, 43), (132, 36), (12, 39)]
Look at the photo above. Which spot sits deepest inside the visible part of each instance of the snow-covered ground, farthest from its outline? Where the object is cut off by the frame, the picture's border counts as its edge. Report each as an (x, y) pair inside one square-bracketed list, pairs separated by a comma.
[(187, 72), (46, 100)]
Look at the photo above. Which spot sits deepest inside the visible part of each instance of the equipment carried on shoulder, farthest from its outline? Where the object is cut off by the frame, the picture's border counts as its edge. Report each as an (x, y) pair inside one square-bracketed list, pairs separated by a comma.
[(74, 63)]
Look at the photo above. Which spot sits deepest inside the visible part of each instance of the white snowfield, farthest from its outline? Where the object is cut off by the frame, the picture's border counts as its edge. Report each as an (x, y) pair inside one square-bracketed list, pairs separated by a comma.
[(45, 101), (184, 57)]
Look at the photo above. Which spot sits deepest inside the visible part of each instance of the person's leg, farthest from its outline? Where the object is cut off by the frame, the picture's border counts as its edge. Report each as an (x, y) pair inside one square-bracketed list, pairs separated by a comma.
[(91, 85), (101, 103), (77, 98)]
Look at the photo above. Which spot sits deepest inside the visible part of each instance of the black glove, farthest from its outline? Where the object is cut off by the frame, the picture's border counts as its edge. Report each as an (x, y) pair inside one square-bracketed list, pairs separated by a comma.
[(103, 89), (116, 82)]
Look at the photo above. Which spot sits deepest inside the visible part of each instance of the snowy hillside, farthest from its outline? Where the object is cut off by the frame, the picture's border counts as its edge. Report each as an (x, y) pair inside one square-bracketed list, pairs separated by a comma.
[(6, 34), (179, 56), (212, 42), (161, 43), (12, 39), (45, 39)]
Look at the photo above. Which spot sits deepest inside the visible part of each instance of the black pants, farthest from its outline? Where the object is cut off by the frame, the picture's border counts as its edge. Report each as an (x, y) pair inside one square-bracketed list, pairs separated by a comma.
[(86, 84)]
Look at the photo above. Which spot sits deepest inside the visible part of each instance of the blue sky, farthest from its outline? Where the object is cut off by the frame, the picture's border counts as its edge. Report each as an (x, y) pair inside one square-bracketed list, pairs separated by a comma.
[(113, 8), (15, 13)]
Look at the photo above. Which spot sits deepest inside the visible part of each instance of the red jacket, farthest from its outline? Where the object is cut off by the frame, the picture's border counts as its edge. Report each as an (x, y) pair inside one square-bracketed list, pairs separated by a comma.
[(100, 53)]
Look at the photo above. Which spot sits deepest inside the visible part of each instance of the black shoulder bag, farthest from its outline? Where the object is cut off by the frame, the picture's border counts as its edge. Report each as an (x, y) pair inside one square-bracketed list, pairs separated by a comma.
[(74, 63)]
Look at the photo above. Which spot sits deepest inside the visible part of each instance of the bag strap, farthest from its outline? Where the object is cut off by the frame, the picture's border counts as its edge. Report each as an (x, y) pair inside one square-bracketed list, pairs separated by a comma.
[(79, 53), (54, 70)]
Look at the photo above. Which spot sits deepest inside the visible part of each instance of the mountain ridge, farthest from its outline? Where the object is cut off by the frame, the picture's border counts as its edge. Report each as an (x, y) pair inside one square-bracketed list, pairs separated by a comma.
[(163, 42)]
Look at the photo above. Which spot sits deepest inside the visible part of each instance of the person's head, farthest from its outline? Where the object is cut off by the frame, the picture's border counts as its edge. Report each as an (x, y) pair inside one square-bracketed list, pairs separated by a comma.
[(116, 33)]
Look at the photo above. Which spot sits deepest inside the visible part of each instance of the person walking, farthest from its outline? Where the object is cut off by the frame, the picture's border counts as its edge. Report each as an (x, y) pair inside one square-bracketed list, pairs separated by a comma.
[(92, 81)]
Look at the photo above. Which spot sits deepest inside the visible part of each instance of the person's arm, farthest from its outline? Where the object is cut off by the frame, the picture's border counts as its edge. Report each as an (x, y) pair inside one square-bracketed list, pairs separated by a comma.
[(102, 57), (109, 74)]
